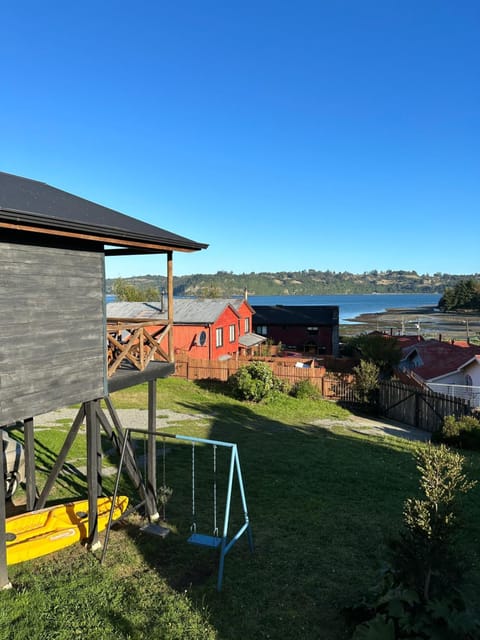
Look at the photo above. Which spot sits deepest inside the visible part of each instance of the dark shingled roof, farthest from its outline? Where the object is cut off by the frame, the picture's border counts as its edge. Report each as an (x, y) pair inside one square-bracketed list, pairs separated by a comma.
[(32, 203), (288, 315)]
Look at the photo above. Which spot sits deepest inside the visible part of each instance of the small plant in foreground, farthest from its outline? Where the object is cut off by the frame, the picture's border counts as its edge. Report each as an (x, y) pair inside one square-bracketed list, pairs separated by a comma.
[(255, 382), (418, 595)]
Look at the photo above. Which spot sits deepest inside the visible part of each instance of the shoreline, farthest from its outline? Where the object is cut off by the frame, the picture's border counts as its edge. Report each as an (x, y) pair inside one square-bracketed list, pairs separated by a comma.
[(425, 321)]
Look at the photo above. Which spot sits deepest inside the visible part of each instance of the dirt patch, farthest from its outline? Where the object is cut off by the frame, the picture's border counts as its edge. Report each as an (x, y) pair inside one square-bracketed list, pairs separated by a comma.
[(371, 427)]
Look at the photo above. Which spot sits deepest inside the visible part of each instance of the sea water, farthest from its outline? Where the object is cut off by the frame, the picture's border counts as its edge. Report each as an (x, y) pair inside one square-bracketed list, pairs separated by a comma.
[(351, 306)]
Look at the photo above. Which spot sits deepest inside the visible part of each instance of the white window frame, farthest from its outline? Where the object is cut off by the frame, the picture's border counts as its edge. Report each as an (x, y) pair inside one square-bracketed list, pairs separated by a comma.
[(231, 330), (219, 337), (247, 325)]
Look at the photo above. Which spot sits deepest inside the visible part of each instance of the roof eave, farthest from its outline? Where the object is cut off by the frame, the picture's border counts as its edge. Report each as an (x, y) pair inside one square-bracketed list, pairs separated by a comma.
[(129, 243)]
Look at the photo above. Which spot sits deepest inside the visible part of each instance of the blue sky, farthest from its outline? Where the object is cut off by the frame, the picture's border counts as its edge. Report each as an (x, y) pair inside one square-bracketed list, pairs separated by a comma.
[(339, 134)]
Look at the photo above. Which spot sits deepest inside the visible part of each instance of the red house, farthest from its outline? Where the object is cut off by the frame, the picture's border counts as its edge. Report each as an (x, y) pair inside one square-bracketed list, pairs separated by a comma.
[(209, 328)]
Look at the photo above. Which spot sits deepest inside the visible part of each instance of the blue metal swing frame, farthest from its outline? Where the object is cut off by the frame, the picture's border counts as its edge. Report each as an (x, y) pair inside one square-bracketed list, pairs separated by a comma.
[(222, 542), (215, 542)]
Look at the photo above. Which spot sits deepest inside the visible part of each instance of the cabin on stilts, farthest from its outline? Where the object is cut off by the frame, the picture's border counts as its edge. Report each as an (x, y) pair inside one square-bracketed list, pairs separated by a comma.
[(52, 276)]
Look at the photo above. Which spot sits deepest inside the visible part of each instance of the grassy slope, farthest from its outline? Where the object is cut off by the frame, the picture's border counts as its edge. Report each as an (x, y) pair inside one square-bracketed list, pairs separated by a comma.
[(320, 502)]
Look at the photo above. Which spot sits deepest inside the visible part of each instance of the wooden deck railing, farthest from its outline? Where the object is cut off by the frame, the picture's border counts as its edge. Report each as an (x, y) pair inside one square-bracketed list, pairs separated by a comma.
[(136, 343)]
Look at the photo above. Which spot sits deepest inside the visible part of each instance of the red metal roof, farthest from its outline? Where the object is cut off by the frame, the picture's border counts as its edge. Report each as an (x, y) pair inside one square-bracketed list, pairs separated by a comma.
[(439, 358)]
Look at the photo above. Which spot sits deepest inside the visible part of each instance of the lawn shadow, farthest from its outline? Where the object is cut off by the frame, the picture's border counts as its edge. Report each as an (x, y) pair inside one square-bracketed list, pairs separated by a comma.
[(320, 503)]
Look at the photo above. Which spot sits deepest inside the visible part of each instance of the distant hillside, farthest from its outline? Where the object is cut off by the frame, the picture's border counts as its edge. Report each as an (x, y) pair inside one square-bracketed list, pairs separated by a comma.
[(310, 282)]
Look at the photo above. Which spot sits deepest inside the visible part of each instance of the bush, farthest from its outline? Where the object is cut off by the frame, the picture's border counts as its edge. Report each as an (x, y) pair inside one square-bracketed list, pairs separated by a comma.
[(366, 381), (305, 390), (463, 432), (419, 595), (255, 382)]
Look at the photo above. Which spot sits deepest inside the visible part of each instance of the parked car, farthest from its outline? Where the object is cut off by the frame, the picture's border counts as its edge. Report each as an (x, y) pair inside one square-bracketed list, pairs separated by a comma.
[(14, 463)]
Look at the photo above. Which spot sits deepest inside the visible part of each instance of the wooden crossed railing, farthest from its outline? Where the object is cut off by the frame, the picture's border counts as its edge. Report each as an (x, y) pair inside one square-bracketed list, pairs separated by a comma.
[(135, 342)]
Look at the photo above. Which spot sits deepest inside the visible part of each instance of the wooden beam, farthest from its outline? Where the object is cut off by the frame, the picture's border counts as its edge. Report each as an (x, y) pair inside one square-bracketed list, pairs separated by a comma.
[(155, 248), (61, 458), (93, 473), (29, 446), (152, 443), (4, 581), (145, 492)]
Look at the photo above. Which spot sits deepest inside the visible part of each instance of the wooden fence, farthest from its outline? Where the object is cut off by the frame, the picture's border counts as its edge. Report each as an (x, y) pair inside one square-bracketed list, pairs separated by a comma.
[(335, 386), (418, 407)]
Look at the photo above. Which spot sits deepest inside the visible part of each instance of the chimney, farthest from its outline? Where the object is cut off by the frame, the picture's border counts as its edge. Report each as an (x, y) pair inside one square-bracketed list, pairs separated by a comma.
[(162, 301), (245, 294)]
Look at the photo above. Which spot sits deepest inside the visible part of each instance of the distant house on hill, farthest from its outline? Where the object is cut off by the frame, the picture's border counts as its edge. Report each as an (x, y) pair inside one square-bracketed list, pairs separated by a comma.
[(209, 328), (308, 328)]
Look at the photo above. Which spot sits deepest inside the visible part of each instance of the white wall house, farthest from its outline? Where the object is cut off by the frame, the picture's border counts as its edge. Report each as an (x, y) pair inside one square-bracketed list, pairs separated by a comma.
[(464, 382)]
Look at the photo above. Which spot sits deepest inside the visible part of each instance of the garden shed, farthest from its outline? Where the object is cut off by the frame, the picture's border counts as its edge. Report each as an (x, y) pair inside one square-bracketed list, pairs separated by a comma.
[(53, 334)]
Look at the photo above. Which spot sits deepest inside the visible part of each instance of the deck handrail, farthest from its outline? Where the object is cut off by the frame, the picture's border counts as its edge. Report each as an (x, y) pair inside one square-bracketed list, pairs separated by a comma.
[(136, 342)]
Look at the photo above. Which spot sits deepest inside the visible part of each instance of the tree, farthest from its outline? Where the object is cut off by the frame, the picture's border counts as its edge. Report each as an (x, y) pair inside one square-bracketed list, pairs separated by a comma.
[(382, 350), (366, 381), (127, 292), (464, 295)]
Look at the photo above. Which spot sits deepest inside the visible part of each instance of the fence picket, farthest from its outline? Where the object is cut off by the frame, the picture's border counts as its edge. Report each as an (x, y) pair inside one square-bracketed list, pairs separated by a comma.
[(416, 406)]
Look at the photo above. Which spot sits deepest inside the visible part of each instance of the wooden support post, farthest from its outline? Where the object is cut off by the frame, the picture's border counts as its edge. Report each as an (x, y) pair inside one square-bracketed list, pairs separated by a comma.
[(152, 443), (130, 464), (4, 581), (93, 472), (170, 304), (29, 446)]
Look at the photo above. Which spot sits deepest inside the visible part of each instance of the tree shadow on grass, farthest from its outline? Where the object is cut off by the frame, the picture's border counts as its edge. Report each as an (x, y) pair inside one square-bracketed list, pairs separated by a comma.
[(320, 505)]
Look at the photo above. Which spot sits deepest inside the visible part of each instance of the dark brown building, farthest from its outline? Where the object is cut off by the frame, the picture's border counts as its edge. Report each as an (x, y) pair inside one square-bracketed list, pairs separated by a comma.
[(308, 329)]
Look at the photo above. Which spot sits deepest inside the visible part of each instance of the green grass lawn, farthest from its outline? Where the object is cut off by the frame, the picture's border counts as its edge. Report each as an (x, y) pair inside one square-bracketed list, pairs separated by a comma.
[(321, 501)]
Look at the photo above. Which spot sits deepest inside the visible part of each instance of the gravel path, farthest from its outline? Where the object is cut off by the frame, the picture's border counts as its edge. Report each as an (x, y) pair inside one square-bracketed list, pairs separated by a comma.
[(138, 419), (133, 418)]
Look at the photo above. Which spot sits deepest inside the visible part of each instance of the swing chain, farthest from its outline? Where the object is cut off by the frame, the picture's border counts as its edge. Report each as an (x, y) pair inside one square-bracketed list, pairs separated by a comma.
[(215, 528), (193, 526)]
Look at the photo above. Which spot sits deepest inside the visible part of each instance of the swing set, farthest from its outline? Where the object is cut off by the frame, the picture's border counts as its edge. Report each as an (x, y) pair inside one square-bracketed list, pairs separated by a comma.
[(215, 540)]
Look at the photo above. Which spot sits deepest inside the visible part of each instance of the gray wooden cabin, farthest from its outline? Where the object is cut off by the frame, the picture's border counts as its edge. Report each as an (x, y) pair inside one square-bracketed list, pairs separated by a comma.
[(53, 324)]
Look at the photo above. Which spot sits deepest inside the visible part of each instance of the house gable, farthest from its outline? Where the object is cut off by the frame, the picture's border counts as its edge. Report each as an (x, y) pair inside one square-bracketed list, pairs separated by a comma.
[(204, 328), (433, 360)]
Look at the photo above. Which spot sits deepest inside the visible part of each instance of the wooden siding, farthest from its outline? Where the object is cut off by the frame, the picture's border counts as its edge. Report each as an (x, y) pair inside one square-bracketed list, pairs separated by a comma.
[(52, 329)]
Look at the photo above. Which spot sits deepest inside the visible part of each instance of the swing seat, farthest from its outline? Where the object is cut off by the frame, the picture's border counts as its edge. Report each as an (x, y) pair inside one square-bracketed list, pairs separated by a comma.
[(155, 530), (204, 540)]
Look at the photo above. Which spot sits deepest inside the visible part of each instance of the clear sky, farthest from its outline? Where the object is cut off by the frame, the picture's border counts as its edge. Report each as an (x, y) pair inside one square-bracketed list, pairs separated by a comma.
[(288, 135)]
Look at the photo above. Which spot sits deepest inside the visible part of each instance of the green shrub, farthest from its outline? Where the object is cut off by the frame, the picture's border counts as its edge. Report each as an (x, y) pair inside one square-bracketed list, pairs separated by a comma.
[(255, 382), (463, 432), (305, 390), (366, 381), (419, 595)]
